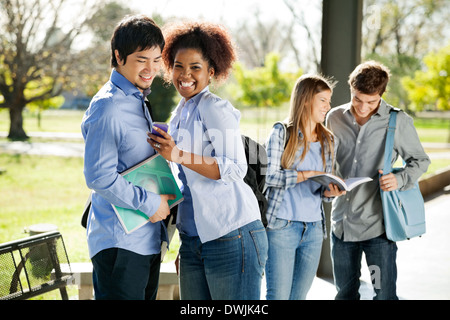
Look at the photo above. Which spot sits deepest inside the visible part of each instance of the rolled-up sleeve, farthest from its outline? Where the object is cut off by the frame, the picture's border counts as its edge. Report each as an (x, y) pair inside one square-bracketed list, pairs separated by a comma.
[(407, 144), (221, 122), (278, 177)]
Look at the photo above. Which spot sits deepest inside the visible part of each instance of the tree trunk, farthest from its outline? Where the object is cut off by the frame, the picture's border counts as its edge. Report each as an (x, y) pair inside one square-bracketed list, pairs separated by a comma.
[(16, 131)]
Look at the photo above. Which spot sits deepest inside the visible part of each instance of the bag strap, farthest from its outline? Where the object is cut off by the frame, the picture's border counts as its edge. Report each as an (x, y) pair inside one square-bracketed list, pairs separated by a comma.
[(285, 130), (389, 145)]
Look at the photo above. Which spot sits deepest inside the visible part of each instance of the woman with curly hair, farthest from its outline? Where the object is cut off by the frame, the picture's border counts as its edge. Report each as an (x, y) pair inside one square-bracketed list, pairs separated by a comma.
[(223, 242)]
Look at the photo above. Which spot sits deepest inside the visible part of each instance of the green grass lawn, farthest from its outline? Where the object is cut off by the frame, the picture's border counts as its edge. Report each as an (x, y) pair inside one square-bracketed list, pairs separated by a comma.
[(51, 121), (45, 189), (37, 189)]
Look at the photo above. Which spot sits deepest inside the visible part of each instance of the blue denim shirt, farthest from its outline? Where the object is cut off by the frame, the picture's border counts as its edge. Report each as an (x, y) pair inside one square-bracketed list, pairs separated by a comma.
[(115, 128), (209, 126)]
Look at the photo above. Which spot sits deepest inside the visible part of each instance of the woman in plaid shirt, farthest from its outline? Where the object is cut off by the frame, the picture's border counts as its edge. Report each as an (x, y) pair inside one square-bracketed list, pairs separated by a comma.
[(295, 214)]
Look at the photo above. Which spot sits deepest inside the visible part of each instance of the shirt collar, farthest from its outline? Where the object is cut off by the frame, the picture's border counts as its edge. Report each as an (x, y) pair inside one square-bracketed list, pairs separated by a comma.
[(383, 109), (347, 107), (196, 99), (124, 84)]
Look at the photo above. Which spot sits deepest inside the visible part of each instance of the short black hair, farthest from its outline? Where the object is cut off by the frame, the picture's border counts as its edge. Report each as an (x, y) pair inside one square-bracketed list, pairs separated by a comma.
[(133, 33)]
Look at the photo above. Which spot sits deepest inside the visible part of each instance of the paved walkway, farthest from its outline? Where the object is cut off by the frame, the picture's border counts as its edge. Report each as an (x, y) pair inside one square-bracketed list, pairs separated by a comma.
[(63, 149), (55, 146), (423, 263), (76, 148)]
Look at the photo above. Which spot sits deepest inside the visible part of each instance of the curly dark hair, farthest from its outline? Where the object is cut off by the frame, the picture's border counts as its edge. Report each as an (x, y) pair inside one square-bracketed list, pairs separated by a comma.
[(212, 40), (370, 77)]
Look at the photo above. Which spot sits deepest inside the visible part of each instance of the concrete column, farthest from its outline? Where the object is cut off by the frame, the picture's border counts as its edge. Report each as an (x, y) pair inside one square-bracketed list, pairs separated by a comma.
[(341, 43), (341, 53)]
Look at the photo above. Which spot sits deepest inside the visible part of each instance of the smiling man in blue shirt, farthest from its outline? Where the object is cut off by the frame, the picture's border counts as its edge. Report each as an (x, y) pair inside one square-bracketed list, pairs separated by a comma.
[(126, 266)]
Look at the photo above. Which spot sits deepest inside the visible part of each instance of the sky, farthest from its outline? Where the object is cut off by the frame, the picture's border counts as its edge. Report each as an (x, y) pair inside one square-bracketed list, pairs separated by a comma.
[(232, 13), (229, 12)]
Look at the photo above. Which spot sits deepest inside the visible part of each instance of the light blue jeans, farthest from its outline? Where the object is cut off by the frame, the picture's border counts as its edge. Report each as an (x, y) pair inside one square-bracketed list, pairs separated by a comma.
[(294, 254), (228, 268)]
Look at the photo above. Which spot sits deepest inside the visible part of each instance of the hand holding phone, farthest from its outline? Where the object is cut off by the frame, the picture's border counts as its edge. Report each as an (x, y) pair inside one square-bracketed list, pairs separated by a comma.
[(161, 125)]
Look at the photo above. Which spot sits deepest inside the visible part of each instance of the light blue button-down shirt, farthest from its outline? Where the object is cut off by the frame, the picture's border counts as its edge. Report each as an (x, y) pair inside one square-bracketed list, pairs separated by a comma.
[(115, 129), (208, 125), (303, 202)]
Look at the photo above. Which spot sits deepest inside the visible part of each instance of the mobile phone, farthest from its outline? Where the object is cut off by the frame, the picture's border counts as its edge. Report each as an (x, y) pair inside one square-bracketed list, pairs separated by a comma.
[(160, 125)]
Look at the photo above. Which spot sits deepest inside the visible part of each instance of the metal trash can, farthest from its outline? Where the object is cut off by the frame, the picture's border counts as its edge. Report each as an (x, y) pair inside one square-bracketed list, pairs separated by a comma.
[(39, 255), (41, 228)]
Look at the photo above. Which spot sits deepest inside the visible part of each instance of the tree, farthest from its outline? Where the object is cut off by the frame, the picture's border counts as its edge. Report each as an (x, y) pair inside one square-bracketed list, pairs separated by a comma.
[(257, 38), (399, 34), (430, 88), (404, 27), (94, 68), (400, 66), (36, 88), (265, 86), (297, 39), (312, 30), (162, 99), (36, 48)]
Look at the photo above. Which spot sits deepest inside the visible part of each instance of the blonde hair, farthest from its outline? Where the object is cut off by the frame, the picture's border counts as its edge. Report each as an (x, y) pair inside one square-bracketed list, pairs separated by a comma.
[(306, 87)]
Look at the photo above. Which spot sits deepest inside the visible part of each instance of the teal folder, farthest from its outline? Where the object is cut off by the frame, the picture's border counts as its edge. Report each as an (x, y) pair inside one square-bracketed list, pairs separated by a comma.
[(154, 175)]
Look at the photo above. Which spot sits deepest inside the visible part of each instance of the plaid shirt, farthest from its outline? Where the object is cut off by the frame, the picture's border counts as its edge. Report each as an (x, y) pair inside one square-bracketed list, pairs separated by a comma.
[(278, 180)]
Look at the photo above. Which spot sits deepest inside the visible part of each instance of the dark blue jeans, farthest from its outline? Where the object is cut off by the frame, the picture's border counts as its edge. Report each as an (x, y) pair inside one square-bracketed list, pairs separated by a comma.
[(381, 255), (124, 275)]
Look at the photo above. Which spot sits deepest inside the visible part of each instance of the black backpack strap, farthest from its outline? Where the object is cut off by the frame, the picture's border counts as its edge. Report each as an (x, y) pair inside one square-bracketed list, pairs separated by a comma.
[(286, 131), (256, 157)]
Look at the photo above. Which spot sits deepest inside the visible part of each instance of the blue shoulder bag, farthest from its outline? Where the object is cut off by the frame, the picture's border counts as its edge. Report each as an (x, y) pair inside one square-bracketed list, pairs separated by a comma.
[(403, 211)]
